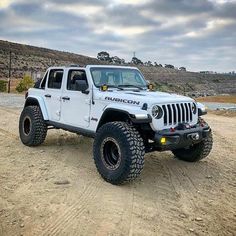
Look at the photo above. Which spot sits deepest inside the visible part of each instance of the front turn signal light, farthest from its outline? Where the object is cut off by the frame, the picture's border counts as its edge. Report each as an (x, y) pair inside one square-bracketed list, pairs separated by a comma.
[(163, 140)]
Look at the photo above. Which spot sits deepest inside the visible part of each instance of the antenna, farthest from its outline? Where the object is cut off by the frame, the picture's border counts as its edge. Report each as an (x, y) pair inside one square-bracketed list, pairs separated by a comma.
[(134, 54)]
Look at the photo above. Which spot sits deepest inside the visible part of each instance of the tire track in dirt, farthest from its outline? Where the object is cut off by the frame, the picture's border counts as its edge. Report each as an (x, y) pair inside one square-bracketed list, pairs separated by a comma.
[(71, 214), (182, 184), (131, 223), (167, 202), (7, 133), (1, 229), (172, 203), (10, 110), (226, 142), (230, 150), (77, 212)]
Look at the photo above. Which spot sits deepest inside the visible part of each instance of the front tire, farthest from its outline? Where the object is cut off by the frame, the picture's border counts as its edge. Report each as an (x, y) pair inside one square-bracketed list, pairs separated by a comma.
[(197, 151), (118, 152), (32, 127)]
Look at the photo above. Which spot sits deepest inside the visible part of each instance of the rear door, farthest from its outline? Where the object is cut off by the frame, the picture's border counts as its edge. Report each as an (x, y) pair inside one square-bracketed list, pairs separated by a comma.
[(75, 105), (52, 95)]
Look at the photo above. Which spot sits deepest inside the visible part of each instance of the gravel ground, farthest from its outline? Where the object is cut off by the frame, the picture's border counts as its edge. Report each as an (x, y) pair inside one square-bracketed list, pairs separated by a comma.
[(54, 189), (12, 100)]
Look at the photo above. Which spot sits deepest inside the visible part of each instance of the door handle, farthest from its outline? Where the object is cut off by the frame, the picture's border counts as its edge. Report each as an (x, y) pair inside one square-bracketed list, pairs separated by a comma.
[(47, 95), (65, 98)]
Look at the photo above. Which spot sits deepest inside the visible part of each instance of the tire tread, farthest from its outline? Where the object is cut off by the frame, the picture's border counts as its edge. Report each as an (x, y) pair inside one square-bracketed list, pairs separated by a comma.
[(136, 147), (39, 128)]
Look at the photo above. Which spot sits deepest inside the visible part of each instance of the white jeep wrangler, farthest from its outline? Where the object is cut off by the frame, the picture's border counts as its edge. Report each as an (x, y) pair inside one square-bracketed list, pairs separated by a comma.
[(115, 106)]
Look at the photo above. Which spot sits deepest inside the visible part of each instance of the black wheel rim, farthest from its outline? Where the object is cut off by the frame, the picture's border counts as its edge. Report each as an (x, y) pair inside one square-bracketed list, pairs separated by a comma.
[(110, 152), (27, 126)]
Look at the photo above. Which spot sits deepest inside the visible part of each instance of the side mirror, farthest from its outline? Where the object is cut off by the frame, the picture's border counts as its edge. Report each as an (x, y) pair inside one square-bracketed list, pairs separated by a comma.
[(81, 85), (151, 87)]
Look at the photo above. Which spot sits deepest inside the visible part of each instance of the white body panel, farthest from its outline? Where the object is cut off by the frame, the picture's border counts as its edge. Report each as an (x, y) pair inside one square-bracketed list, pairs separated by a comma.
[(53, 104), (76, 110), (36, 94), (80, 112)]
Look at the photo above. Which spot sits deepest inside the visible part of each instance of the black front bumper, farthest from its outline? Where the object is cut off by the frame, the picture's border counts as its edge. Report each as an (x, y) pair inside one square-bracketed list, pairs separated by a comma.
[(175, 139)]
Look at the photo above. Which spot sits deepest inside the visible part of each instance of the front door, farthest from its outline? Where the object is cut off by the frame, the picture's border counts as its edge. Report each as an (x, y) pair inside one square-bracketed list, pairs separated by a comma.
[(52, 94), (75, 105)]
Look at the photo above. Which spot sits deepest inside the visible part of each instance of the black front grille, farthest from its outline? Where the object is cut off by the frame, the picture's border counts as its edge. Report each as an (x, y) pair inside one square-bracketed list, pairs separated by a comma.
[(177, 113)]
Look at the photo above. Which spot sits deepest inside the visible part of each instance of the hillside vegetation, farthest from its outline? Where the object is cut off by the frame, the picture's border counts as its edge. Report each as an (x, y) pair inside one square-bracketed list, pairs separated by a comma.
[(221, 99), (32, 60)]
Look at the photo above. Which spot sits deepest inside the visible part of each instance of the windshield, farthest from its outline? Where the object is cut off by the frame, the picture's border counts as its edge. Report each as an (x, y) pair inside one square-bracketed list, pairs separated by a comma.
[(118, 77)]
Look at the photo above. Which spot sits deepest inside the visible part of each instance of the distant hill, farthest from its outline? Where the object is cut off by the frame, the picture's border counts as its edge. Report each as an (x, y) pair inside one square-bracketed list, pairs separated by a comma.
[(30, 59), (190, 83)]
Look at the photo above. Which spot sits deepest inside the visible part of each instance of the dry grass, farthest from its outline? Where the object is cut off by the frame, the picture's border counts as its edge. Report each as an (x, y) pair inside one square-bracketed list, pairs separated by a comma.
[(14, 83), (220, 98)]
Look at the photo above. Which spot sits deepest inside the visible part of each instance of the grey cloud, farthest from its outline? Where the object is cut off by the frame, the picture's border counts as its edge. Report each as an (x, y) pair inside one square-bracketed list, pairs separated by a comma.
[(160, 42), (179, 7), (87, 2), (126, 15), (227, 10)]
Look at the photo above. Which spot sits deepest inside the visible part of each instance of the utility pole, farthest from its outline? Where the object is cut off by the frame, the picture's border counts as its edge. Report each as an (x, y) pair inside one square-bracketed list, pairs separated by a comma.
[(9, 74)]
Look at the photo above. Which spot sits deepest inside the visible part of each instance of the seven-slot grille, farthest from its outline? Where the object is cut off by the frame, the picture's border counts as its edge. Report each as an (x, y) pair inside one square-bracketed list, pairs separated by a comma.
[(177, 113)]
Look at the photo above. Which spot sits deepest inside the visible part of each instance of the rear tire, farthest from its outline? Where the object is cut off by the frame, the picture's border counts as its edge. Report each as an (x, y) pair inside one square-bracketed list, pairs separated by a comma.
[(196, 152), (118, 152), (32, 127)]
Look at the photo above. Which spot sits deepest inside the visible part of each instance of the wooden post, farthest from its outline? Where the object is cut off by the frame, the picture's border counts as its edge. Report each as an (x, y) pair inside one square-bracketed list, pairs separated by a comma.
[(9, 85), (9, 76)]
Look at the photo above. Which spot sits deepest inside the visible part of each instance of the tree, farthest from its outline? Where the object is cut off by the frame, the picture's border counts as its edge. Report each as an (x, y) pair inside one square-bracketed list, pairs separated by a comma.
[(182, 68), (25, 84), (169, 66), (3, 86), (104, 56), (155, 64), (148, 63), (116, 60), (136, 61), (122, 61)]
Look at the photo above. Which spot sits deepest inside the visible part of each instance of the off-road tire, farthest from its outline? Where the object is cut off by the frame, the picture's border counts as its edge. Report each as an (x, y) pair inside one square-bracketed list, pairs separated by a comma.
[(197, 151), (130, 147), (32, 127)]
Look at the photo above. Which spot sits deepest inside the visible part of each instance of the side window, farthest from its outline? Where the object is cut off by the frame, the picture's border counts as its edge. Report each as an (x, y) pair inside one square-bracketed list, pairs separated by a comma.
[(55, 78), (43, 83), (73, 76)]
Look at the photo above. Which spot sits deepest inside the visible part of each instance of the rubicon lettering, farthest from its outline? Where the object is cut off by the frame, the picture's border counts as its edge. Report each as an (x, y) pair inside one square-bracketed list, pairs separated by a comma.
[(122, 100)]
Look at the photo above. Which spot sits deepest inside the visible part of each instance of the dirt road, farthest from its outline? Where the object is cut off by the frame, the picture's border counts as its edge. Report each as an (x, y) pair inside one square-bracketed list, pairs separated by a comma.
[(171, 197)]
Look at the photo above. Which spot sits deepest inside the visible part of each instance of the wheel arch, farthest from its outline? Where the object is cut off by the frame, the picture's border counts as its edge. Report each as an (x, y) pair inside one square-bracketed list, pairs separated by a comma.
[(37, 101), (113, 114)]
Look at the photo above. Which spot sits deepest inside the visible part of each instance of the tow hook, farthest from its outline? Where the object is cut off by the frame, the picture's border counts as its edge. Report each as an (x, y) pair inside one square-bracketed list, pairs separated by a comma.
[(194, 136)]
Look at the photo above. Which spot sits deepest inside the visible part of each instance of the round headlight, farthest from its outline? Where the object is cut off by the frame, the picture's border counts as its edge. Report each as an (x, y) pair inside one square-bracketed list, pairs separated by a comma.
[(156, 112), (194, 108)]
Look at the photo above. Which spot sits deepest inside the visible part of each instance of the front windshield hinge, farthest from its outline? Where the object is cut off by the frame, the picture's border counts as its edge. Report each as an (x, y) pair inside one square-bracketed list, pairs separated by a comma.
[(92, 97)]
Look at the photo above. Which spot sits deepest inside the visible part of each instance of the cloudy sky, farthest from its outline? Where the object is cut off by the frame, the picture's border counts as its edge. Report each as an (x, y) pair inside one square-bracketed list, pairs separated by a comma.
[(198, 34)]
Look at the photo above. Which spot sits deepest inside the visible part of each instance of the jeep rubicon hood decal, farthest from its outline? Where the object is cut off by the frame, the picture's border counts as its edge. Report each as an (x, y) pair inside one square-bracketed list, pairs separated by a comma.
[(122, 100)]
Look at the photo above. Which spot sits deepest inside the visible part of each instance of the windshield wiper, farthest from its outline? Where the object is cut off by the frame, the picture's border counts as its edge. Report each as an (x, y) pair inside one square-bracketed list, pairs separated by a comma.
[(131, 85), (113, 86)]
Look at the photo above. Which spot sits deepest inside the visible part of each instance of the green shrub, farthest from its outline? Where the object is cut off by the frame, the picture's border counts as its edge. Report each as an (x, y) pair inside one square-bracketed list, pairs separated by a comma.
[(3, 86), (25, 84)]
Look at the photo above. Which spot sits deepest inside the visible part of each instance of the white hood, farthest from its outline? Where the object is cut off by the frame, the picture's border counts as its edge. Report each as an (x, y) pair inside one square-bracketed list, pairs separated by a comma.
[(149, 97)]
